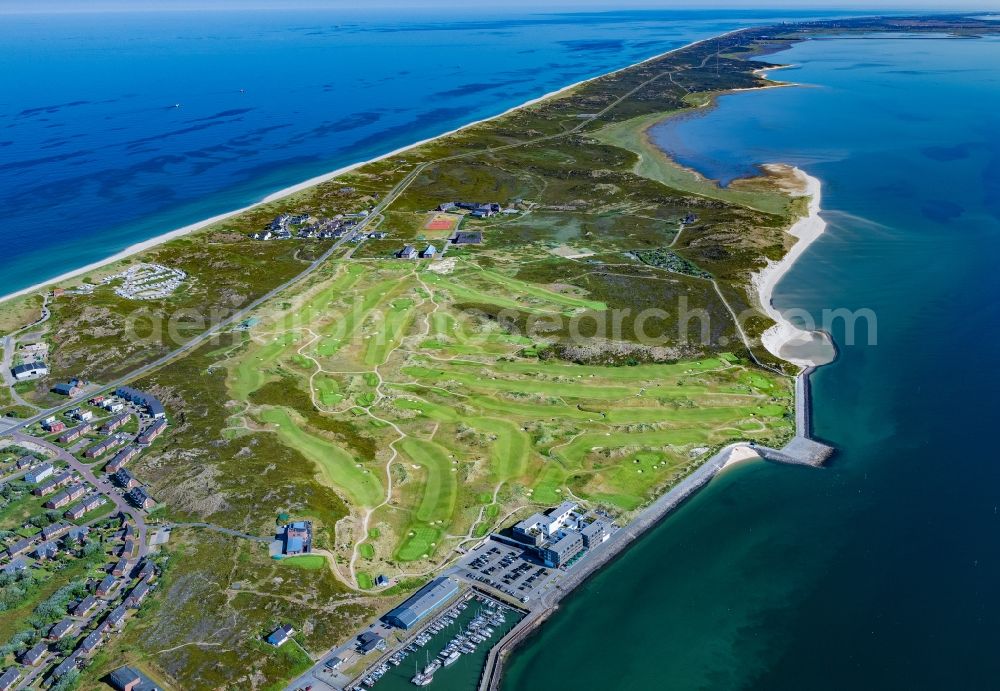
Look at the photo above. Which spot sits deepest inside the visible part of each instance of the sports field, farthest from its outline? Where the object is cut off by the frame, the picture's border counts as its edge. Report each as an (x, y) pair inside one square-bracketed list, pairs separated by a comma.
[(441, 225), (435, 424)]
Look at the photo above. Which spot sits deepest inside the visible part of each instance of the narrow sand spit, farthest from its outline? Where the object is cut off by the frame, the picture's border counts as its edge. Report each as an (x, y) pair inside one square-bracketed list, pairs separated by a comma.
[(784, 339)]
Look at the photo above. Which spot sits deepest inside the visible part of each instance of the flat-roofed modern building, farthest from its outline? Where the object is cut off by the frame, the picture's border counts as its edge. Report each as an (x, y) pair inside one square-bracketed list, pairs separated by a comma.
[(422, 603), (561, 550), (539, 527), (595, 532)]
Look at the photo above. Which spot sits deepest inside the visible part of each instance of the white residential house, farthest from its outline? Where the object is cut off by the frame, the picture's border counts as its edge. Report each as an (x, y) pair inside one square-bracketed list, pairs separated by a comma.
[(29, 370)]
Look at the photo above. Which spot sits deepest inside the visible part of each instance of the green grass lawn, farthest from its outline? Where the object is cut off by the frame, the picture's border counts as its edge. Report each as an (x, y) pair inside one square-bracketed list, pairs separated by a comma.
[(513, 285), (320, 302), (392, 326), (509, 453), (462, 292), (418, 545), (335, 466), (342, 330), (310, 562), (251, 372), (13, 619), (439, 491), (20, 510), (327, 390)]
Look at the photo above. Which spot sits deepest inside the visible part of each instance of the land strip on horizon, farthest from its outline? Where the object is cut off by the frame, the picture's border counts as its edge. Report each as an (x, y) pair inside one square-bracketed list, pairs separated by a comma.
[(408, 408)]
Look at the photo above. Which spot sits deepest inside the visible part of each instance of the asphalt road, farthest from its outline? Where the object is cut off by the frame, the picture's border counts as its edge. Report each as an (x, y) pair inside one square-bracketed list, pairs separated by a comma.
[(103, 485), (197, 340)]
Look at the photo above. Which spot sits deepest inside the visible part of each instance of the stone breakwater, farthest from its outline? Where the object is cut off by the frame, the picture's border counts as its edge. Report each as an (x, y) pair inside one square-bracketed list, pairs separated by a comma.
[(801, 450)]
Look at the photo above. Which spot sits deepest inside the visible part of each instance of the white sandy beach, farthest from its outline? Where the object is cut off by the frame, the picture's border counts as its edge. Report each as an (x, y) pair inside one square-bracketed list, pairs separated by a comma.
[(740, 453), (784, 339), (160, 239)]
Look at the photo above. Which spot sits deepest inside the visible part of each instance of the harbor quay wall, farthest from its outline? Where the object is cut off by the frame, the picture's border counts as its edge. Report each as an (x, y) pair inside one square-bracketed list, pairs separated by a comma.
[(597, 559), (801, 450)]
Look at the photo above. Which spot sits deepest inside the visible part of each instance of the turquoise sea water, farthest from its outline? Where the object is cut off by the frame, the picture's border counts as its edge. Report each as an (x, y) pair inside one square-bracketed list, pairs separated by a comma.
[(95, 157), (880, 571)]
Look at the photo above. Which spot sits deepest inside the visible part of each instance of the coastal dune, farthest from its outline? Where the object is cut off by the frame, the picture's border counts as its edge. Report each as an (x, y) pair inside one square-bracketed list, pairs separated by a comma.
[(785, 340), (325, 177)]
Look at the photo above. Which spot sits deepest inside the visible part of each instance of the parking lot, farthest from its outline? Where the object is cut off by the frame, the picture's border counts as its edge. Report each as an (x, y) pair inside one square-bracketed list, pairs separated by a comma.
[(511, 570)]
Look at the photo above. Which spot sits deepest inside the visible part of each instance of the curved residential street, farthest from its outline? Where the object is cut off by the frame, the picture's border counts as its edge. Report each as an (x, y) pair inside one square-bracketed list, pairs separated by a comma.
[(103, 485)]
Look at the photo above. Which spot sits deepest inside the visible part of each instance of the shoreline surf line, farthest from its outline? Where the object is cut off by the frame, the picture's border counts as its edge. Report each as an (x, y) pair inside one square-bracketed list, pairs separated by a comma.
[(784, 340), (152, 242)]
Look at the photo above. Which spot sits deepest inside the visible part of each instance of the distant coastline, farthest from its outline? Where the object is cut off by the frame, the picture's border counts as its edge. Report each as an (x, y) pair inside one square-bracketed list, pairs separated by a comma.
[(325, 177)]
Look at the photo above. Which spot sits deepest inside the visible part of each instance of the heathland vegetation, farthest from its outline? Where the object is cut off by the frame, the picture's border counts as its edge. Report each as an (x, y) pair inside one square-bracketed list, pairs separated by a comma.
[(587, 349)]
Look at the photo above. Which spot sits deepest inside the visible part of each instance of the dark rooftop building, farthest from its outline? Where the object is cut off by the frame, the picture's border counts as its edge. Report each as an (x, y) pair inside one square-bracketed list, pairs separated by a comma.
[(148, 401), (34, 655), (467, 237), (107, 586), (46, 550), (121, 458), (65, 666), (137, 595), (66, 389), (562, 549), (130, 679), (123, 478), (60, 629), (8, 680), (138, 496), (369, 641), (15, 565), (422, 603), (19, 547), (77, 534), (90, 643), (280, 635), (54, 530), (596, 532), (85, 605), (52, 484), (147, 570), (117, 616), (121, 568), (115, 423), (152, 432)]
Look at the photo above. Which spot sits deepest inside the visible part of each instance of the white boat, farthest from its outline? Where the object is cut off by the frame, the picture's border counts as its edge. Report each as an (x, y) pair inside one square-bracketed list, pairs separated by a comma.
[(452, 659)]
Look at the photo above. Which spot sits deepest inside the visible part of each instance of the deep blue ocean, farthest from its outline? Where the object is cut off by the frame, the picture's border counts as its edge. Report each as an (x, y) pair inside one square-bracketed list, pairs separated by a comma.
[(94, 155), (882, 570)]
